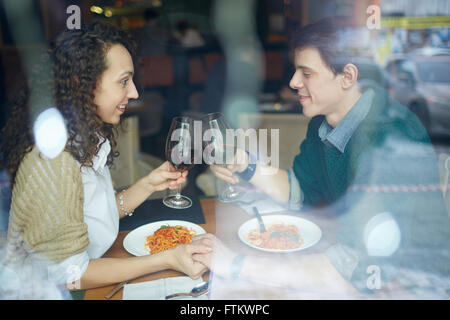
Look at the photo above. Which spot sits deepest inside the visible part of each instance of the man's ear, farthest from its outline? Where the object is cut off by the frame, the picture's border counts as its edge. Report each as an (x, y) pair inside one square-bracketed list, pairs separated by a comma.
[(349, 76)]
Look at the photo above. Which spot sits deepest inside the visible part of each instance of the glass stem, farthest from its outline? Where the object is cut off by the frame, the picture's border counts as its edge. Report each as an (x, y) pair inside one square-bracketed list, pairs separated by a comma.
[(178, 195)]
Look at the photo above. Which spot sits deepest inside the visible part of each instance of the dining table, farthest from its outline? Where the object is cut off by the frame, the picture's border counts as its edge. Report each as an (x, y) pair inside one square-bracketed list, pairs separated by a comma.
[(223, 220)]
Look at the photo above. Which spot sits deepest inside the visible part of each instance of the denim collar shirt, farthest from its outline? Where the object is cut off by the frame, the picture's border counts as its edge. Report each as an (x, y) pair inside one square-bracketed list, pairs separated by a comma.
[(338, 137)]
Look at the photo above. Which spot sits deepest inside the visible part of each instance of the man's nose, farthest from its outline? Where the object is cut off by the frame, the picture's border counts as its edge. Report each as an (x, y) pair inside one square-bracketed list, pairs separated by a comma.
[(296, 82)]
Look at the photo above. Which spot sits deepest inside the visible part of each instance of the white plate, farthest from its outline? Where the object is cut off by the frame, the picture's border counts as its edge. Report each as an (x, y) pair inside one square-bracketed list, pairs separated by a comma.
[(309, 231), (134, 242)]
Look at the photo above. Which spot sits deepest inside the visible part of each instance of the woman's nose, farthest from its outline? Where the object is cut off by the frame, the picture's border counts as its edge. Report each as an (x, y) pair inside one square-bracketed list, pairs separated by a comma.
[(133, 93)]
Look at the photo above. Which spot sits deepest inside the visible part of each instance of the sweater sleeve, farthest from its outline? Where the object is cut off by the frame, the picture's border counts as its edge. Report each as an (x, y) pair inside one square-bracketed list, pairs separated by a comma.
[(47, 207)]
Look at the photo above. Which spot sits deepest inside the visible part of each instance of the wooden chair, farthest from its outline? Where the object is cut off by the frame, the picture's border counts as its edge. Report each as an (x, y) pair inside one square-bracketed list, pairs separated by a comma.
[(291, 127), (201, 65), (157, 71)]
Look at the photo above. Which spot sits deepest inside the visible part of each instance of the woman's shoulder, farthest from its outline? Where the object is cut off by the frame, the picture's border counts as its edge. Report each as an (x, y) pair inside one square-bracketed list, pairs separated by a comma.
[(63, 157), (34, 162)]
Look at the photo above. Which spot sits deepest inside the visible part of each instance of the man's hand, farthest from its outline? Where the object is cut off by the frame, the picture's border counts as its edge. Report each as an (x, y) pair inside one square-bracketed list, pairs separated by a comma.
[(226, 172)]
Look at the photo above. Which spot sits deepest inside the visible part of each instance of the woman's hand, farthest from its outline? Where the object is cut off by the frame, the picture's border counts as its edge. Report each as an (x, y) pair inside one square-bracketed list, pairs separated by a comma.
[(163, 177), (181, 258), (219, 260)]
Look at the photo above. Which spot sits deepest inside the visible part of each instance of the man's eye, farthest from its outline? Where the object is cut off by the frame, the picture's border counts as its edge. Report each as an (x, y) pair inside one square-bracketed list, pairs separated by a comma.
[(307, 75)]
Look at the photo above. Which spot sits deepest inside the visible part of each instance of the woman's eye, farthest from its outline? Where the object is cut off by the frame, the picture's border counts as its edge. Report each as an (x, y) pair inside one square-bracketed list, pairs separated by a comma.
[(307, 75), (124, 82)]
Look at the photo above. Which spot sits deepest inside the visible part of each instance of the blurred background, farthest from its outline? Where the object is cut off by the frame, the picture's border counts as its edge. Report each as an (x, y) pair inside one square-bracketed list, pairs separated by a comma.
[(232, 56)]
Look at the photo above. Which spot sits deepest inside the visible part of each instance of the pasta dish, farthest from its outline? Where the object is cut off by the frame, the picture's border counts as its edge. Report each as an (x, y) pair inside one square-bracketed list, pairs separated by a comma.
[(278, 236), (168, 237)]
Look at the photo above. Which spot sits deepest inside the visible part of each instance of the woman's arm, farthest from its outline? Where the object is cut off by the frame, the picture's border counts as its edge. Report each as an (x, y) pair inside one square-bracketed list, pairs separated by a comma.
[(163, 177), (106, 271)]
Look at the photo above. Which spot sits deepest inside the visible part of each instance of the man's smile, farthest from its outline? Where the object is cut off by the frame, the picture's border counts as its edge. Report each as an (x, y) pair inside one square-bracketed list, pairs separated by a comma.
[(303, 97)]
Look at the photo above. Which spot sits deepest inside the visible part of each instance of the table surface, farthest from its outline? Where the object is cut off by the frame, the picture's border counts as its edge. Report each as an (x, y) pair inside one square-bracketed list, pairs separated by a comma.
[(223, 220)]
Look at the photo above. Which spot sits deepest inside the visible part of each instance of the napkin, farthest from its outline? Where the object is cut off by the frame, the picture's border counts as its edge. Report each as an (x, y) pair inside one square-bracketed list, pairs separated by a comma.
[(264, 206), (262, 202), (159, 289)]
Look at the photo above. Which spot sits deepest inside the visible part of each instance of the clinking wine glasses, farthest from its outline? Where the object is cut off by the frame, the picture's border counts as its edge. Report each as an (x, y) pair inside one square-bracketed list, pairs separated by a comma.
[(180, 153), (221, 150)]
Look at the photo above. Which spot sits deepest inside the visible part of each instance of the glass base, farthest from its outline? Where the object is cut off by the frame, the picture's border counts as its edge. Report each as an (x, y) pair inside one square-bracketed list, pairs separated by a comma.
[(177, 202), (230, 195)]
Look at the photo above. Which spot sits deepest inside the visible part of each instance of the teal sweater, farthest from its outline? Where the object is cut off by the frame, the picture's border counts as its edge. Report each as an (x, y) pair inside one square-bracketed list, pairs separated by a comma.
[(389, 148), (325, 174)]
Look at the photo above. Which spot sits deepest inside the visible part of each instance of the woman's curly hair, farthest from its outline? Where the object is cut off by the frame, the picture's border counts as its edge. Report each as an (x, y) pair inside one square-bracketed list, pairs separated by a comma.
[(79, 60)]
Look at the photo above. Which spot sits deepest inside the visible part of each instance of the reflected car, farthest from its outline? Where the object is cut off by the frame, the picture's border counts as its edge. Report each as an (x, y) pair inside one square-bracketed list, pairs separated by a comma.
[(422, 83), (370, 72), (430, 51)]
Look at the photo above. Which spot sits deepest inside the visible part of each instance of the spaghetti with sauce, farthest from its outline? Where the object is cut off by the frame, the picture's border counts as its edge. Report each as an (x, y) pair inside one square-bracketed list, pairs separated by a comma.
[(168, 237), (278, 236)]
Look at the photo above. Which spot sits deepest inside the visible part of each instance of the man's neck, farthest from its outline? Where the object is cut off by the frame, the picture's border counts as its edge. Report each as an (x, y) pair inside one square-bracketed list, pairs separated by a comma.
[(344, 107)]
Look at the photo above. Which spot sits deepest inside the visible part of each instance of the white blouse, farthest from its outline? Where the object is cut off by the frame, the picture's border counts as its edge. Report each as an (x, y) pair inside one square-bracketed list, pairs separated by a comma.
[(100, 214)]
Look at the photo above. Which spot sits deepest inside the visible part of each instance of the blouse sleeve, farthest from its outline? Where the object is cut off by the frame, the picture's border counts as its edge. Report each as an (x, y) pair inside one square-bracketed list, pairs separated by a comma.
[(47, 207)]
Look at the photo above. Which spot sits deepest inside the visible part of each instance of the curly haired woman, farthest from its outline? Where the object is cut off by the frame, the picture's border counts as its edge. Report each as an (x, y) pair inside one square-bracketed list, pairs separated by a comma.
[(65, 209)]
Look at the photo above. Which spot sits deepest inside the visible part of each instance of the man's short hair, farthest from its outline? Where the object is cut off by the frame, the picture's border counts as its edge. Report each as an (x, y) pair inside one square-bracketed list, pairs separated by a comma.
[(324, 36)]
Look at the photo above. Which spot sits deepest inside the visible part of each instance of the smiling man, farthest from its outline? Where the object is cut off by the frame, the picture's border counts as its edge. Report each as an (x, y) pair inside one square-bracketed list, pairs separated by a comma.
[(320, 90), (367, 160), (328, 90)]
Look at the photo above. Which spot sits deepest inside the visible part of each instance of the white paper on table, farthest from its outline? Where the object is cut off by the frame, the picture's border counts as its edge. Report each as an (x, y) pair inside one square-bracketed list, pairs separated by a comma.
[(159, 289), (264, 206)]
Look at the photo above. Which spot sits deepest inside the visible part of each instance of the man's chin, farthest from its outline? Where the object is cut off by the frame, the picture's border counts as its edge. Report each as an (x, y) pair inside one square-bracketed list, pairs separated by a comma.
[(308, 111)]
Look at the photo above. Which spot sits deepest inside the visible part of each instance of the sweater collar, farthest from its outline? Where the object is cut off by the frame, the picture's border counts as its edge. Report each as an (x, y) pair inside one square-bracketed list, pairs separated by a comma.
[(338, 137)]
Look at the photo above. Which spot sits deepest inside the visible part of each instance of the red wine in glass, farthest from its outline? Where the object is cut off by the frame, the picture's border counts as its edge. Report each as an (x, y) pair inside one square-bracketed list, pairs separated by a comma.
[(220, 148), (180, 153), (184, 165)]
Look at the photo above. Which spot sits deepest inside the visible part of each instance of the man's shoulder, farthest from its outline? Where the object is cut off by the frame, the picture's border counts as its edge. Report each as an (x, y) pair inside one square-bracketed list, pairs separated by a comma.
[(390, 117)]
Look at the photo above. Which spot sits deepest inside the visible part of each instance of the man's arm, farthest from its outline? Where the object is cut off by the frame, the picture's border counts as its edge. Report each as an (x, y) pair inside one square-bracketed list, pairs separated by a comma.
[(272, 181), (313, 274), (309, 274)]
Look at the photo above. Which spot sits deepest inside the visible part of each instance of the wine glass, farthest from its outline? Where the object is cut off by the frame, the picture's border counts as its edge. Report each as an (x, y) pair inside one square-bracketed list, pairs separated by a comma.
[(220, 149), (180, 153)]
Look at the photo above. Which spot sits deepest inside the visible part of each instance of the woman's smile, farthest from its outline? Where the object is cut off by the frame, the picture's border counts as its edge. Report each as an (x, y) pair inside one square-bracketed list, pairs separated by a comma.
[(122, 107)]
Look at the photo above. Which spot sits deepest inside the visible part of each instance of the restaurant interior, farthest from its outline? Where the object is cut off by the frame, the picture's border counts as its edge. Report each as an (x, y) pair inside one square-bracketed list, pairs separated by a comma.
[(175, 78), (194, 58)]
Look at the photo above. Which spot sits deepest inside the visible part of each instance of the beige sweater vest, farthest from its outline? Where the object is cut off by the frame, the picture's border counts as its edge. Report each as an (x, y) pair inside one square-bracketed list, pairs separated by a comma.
[(46, 216)]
